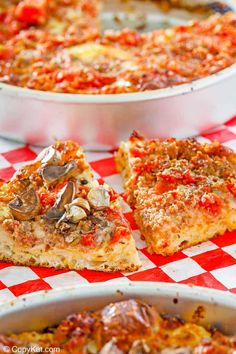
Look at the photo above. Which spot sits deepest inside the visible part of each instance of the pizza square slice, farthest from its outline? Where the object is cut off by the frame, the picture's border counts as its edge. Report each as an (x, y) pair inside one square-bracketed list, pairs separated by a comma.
[(182, 192), (53, 214)]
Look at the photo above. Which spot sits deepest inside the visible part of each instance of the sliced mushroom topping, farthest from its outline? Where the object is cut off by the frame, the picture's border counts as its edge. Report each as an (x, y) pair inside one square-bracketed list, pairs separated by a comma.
[(49, 156), (110, 348), (54, 214), (104, 231), (53, 173), (74, 213), (65, 197), (99, 198), (25, 182), (83, 203), (123, 317), (25, 206), (63, 228)]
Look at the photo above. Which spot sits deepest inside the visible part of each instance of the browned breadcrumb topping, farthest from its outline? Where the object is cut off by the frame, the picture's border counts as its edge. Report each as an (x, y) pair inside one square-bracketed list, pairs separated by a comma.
[(182, 192), (174, 174)]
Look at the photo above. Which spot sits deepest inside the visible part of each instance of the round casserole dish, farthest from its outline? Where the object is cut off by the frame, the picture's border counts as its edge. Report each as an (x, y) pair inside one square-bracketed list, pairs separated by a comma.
[(37, 311), (103, 120)]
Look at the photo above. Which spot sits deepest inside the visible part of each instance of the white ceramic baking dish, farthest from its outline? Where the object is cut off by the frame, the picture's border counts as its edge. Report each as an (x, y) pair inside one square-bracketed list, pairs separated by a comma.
[(101, 120), (35, 312)]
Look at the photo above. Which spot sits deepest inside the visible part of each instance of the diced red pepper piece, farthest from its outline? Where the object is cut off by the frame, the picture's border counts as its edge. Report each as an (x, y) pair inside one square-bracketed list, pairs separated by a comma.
[(210, 202), (31, 12), (138, 152), (120, 233), (47, 199), (6, 53), (177, 177), (126, 37), (2, 36), (113, 195), (164, 186), (87, 240), (232, 188), (88, 7)]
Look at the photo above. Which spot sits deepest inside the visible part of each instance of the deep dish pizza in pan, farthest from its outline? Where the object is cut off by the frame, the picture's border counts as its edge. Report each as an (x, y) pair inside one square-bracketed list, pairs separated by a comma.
[(53, 213), (58, 46), (126, 327)]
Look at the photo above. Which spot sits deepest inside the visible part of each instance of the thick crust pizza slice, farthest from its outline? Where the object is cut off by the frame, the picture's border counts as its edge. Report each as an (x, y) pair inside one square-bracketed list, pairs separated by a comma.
[(53, 214), (126, 327), (182, 192)]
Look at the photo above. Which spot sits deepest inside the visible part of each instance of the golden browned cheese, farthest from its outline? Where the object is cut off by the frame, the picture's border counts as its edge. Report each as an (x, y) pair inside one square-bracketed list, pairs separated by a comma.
[(127, 327)]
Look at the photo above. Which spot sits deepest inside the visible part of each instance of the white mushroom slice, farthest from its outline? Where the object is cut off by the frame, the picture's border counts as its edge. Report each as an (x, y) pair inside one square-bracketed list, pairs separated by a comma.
[(132, 316), (104, 233), (49, 156), (25, 206), (74, 214), (53, 173), (81, 202), (99, 198), (64, 197), (53, 214)]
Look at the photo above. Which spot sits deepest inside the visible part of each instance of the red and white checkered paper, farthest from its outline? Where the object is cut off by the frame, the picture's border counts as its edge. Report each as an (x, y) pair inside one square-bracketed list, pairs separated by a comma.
[(211, 264)]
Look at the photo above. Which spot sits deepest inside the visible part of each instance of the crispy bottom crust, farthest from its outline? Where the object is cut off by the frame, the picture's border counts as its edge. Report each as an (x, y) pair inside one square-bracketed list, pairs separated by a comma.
[(124, 168), (122, 162), (121, 257), (104, 267), (198, 228)]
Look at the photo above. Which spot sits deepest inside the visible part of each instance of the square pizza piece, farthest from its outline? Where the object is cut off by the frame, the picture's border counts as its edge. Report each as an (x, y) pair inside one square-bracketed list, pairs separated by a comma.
[(54, 214), (182, 192)]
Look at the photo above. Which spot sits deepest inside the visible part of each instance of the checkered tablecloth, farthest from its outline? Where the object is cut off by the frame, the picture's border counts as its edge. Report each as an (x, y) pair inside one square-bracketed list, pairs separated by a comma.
[(211, 264)]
